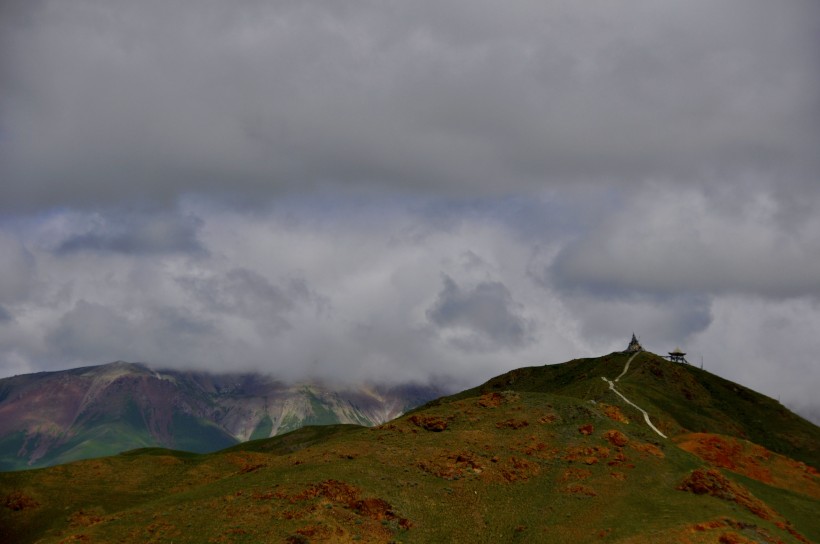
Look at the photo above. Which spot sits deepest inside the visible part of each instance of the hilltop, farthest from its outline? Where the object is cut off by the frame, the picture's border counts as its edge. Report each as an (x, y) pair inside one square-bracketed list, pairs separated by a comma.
[(56, 417), (540, 454)]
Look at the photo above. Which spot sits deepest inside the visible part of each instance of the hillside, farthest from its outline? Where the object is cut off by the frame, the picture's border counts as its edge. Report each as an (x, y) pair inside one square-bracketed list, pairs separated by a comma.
[(526, 457), (681, 398), (55, 417)]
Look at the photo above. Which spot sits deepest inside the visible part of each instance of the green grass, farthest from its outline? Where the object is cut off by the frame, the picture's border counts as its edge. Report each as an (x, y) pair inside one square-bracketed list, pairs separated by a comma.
[(263, 428), (519, 472)]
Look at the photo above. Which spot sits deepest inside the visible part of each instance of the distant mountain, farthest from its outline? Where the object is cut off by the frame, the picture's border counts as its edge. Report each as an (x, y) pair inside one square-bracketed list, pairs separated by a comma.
[(628, 448), (55, 417)]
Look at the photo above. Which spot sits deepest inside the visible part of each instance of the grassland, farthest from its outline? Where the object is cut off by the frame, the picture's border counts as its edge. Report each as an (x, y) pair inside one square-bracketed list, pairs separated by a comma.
[(538, 455)]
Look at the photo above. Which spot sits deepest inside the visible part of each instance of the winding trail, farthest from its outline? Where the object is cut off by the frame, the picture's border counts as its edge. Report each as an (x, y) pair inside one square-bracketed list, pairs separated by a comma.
[(641, 410)]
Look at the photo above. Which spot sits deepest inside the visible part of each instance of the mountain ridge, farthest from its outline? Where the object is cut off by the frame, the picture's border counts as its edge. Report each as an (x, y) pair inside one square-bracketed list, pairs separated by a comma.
[(54, 417)]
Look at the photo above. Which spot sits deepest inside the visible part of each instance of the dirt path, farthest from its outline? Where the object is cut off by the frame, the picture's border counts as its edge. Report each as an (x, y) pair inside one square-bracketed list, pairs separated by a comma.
[(641, 410)]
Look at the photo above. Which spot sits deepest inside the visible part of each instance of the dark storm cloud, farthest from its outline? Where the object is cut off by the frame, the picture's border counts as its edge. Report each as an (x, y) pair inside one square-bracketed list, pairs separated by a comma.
[(662, 322), (147, 101), (135, 234), (487, 312), (247, 294), (96, 332), (17, 267)]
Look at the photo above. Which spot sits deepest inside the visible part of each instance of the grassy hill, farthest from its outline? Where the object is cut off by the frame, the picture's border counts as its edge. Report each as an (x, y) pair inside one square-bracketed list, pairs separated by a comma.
[(526, 457), (682, 398)]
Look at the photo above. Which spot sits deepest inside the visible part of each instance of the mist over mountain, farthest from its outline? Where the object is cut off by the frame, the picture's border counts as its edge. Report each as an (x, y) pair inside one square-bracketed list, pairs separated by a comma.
[(56, 417)]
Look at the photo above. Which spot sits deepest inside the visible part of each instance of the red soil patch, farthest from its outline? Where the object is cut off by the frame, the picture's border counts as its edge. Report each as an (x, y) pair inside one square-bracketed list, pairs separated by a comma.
[(540, 450), (734, 538), (518, 470), (75, 538), (349, 496), (620, 459), (712, 482), (709, 525), (572, 474), (429, 423), (586, 430), (491, 400), (616, 438), (332, 490), (614, 413), (514, 424), (81, 518), (651, 449), (451, 465), (251, 468), (17, 500), (578, 489), (585, 454), (753, 461)]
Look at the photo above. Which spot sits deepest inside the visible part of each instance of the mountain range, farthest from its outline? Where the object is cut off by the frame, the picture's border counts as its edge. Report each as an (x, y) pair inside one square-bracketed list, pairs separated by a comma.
[(55, 417), (626, 448)]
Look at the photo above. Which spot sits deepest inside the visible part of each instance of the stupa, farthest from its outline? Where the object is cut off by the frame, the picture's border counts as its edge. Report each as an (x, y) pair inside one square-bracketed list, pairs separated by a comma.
[(634, 346)]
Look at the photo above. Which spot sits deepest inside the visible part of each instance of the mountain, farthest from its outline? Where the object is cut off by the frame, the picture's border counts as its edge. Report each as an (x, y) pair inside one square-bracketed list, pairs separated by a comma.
[(56, 417), (626, 448)]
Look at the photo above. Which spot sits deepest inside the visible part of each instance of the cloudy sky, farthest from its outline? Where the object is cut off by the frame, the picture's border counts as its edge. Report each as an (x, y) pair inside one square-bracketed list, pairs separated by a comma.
[(429, 190)]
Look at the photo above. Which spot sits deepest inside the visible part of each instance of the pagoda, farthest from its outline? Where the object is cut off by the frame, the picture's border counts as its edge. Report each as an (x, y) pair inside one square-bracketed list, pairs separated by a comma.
[(678, 356), (634, 346)]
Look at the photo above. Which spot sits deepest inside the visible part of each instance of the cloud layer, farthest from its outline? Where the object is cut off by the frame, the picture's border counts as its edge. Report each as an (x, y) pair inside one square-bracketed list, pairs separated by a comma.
[(435, 190), (147, 101)]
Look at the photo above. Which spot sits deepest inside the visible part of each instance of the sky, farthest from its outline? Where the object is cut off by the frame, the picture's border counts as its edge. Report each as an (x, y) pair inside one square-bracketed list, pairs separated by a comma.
[(430, 191)]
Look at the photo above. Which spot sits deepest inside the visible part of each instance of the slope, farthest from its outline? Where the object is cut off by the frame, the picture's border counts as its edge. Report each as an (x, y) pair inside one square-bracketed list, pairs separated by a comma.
[(680, 397), (483, 466)]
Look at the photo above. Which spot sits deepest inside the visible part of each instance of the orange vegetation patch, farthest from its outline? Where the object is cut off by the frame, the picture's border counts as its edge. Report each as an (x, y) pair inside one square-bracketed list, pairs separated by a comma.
[(586, 454), (429, 423), (516, 469), (333, 490), (512, 424), (651, 449), (753, 461), (349, 496), (712, 482), (17, 500), (730, 537), (613, 412), (491, 400), (616, 438), (549, 418), (75, 538), (578, 489), (572, 474), (452, 466), (734, 538), (540, 450), (620, 459), (586, 430), (709, 525), (496, 399), (83, 518)]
